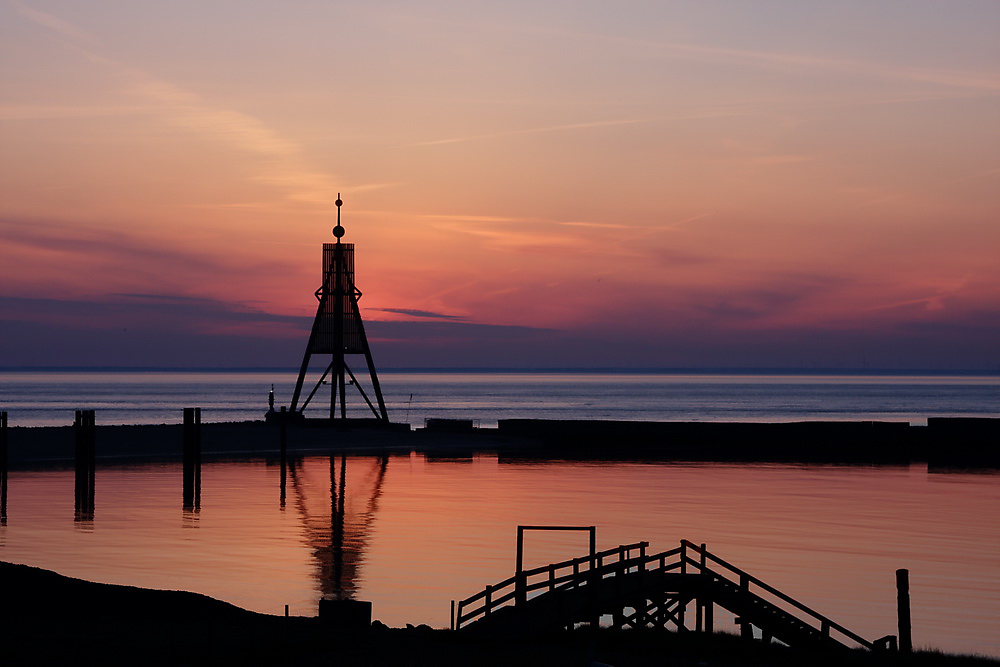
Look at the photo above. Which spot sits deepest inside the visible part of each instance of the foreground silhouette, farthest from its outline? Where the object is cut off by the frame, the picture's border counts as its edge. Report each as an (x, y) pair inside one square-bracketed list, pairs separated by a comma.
[(50, 619)]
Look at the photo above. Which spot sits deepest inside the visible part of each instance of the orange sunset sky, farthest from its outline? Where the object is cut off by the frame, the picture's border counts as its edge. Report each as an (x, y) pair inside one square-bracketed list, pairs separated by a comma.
[(548, 183)]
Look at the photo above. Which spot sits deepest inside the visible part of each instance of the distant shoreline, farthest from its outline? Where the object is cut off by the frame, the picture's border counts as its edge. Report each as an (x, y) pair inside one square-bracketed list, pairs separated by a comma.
[(708, 371)]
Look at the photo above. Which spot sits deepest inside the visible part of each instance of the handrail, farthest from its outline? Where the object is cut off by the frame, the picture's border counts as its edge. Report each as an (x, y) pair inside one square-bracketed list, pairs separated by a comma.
[(622, 561), (585, 559), (825, 622), (595, 566)]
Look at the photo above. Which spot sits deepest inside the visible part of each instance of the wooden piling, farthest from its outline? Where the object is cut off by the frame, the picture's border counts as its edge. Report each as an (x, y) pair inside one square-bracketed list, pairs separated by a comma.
[(903, 610), (284, 432), (3, 467), (84, 431), (703, 604), (284, 454), (192, 458)]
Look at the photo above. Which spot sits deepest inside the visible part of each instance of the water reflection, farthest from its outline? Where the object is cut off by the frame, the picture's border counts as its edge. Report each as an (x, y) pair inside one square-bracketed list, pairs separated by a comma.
[(337, 505), (192, 487), (361, 527)]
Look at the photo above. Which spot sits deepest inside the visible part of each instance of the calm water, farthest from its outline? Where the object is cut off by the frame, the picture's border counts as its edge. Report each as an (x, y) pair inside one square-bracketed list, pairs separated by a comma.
[(417, 533), (36, 399)]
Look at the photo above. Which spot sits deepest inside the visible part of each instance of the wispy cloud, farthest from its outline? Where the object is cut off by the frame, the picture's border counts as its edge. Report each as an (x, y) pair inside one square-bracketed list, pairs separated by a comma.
[(674, 224), (933, 302), (868, 69), (175, 311), (531, 130), (55, 24), (769, 160), (282, 164), (521, 220), (36, 112), (424, 314), (976, 80), (687, 51), (936, 301), (478, 218), (692, 114), (596, 225)]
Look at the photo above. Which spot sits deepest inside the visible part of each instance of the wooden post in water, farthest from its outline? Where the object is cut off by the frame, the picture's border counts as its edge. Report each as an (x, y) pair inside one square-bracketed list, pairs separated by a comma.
[(520, 584), (84, 429), (192, 458), (746, 628), (284, 454), (3, 468), (903, 610), (700, 602), (284, 432)]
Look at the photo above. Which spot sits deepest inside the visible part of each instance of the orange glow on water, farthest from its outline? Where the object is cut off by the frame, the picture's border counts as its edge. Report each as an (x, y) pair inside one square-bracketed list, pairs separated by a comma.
[(411, 533)]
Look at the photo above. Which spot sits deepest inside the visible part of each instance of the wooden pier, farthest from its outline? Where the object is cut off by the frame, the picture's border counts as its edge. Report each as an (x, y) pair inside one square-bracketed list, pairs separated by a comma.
[(637, 590)]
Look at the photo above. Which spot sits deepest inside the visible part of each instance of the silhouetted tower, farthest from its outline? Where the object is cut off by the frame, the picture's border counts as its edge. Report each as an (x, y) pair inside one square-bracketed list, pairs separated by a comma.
[(338, 331)]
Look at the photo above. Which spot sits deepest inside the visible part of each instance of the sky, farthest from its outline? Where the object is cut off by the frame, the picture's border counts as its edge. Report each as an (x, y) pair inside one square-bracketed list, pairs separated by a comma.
[(572, 184)]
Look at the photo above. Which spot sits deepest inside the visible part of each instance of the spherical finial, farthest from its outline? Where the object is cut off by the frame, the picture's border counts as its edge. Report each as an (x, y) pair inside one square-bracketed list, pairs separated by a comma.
[(338, 231)]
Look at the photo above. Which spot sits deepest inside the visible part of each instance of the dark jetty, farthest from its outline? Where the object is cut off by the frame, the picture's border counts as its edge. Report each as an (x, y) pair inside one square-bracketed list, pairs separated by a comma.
[(943, 443)]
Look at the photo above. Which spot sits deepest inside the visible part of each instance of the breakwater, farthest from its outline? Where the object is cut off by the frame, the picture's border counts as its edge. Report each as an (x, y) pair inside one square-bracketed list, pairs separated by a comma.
[(947, 442)]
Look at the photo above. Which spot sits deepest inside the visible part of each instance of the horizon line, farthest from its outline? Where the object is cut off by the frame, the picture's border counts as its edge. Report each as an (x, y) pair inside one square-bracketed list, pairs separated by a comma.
[(625, 370)]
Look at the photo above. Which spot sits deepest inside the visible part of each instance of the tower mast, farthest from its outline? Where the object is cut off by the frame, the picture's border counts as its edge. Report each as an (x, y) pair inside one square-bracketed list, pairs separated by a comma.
[(338, 331)]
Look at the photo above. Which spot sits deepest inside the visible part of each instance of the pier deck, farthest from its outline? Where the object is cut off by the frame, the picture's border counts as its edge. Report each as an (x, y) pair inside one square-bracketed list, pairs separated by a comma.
[(638, 590)]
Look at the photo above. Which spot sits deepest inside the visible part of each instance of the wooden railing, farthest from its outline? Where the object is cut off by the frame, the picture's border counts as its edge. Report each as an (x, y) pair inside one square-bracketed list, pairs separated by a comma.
[(747, 582), (688, 558), (566, 574)]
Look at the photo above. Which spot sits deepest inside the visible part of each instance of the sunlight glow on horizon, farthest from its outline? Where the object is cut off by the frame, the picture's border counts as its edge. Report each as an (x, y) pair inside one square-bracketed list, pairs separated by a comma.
[(645, 171)]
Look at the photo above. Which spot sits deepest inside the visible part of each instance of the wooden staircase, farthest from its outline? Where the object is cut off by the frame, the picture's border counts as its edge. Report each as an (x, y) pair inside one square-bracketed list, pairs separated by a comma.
[(640, 590)]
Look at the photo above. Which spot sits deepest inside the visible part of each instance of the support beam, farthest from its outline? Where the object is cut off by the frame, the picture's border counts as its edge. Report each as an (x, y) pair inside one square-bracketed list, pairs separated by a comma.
[(903, 610)]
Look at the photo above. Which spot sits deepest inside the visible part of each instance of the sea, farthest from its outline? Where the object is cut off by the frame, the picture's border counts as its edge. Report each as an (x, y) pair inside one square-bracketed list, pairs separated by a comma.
[(49, 398), (412, 533)]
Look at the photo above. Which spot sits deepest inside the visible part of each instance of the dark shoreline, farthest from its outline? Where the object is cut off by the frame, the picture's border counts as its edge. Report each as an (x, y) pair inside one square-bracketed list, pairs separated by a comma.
[(48, 618), (968, 443)]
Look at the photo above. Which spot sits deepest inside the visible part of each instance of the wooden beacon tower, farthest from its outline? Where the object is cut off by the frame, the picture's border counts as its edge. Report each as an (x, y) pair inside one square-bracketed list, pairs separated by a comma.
[(338, 331)]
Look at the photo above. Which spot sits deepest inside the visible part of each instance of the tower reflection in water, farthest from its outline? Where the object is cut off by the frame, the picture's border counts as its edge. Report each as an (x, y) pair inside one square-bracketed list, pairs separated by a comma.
[(337, 499)]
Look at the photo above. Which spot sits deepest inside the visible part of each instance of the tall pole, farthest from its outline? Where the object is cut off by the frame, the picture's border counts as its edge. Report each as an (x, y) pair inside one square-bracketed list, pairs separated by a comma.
[(903, 610), (3, 468), (339, 290)]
